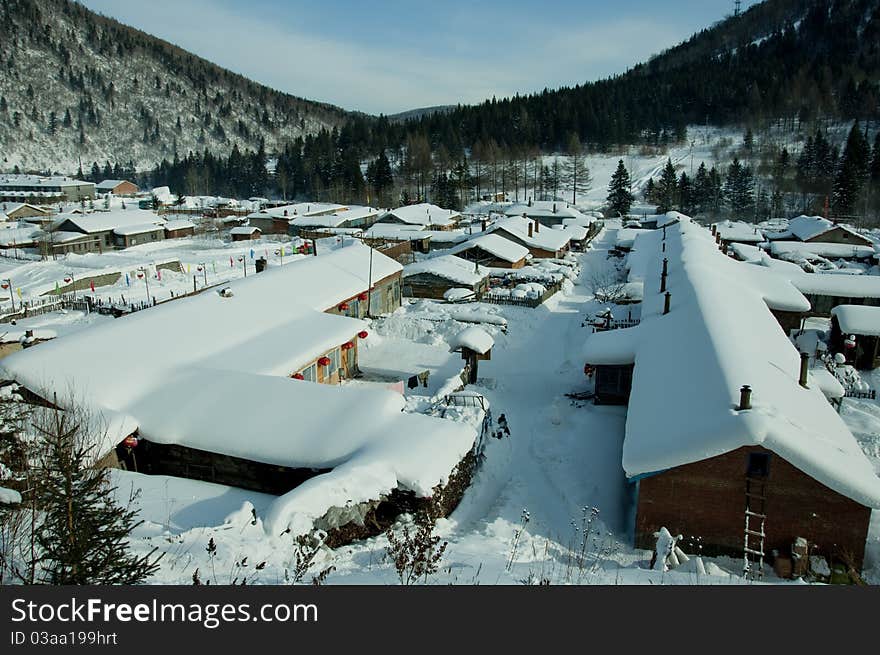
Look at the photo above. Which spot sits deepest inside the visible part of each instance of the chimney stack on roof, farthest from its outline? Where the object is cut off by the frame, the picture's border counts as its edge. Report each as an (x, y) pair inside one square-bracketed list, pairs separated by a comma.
[(663, 275), (666, 302), (530, 229), (537, 226), (745, 398), (804, 372)]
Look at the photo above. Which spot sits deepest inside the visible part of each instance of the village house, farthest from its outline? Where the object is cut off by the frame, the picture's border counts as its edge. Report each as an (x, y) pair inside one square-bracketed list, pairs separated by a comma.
[(277, 220), (855, 332), (549, 212), (542, 244), (182, 414), (245, 233), (22, 211), (738, 232), (492, 250), (122, 188), (349, 218), (133, 235), (741, 449), (178, 229), (101, 228), (432, 278), (809, 229), (423, 216), (795, 251), (34, 188)]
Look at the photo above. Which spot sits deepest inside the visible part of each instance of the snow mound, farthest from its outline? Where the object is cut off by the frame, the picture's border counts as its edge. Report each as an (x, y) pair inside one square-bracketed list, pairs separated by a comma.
[(473, 338)]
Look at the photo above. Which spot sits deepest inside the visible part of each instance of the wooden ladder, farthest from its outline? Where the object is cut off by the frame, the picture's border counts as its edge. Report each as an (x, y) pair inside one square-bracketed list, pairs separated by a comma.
[(756, 516)]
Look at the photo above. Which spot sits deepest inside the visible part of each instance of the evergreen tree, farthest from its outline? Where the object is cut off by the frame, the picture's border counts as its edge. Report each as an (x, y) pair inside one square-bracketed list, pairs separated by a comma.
[(685, 194), (83, 537), (620, 198), (667, 189), (577, 173), (852, 174), (702, 189), (739, 189)]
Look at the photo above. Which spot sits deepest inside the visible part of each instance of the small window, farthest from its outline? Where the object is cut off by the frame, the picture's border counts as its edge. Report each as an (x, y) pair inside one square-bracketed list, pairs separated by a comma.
[(334, 362), (310, 373), (759, 465)]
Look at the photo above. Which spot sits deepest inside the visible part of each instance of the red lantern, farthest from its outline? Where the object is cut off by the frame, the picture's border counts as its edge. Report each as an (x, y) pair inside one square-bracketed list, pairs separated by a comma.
[(140, 275), (4, 285), (363, 334), (324, 361), (362, 296), (343, 306), (348, 345), (130, 441), (67, 280), (199, 268), (298, 376)]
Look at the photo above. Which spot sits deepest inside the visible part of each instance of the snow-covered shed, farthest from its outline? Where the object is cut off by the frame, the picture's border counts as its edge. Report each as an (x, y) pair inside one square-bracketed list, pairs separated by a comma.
[(818, 229), (722, 402), (245, 233), (855, 332), (432, 278), (739, 232), (349, 217), (179, 228), (217, 403), (493, 251)]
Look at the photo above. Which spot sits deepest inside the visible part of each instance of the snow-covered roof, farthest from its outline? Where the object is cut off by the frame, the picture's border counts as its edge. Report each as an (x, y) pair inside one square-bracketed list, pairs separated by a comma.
[(845, 286), (448, 267), (496, 245), (574, 232), (834, 250), (718, 336), (808, 227), (548, 208), (472, 338), (109, 185), (424, 214), (337, 218), (143, 228), (397, 232), (244, 229), (740, 232), (106, 221), (301, 209), (179, 225), (25, 205), (542, 237), (19, 236), (858, 319)]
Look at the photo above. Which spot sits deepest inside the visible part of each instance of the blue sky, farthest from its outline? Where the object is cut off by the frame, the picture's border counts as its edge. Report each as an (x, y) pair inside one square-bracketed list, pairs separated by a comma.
[(392, 55)]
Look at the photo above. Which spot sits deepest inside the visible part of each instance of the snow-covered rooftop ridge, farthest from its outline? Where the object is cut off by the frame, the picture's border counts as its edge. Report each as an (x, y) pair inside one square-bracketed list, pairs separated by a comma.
[(740, 231), (449, 267), (12, 180), (109, 184), (718, 336), (301, 209), (547, 208), (542, 237), (336, 218), (858, 319), (472, 338), (244, 229), (844, 250), (137, 229), (105, 221), (425, 214), (492, 243), (179, 224)]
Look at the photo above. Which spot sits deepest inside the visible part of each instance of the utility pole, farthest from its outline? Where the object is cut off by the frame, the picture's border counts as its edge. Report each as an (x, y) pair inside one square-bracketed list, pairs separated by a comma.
[(737, 6)]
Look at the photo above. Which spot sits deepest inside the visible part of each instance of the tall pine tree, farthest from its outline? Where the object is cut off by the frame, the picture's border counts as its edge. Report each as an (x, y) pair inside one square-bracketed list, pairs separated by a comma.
[(620, 197)]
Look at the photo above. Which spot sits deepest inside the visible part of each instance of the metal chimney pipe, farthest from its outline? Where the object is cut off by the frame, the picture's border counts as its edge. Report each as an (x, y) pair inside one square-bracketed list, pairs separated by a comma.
[(805, 367), (663, 276), (666, 303), (530, 229), (745, 397), (537, 226)]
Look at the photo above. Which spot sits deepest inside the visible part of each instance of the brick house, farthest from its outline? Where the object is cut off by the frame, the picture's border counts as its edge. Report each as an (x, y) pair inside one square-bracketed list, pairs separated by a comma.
[(729, 435)]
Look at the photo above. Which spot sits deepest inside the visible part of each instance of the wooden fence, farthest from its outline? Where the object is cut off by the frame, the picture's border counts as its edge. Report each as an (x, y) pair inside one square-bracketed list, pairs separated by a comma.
[(497, 299), (43, 305)]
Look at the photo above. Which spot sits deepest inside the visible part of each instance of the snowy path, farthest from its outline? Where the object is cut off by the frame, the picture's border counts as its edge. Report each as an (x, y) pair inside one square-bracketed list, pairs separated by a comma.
[(562, 456)]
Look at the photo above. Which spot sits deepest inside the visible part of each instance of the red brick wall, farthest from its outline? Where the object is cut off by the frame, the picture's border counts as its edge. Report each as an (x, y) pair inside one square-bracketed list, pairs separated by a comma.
[(707, 499)]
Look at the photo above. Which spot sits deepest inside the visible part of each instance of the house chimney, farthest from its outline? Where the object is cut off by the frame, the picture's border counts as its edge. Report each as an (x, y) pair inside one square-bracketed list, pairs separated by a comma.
[(530, 201), (724, 247), (663, 246), (745, 398), (666, 300), (530, 229), (554, 207), (664, 233), (537, 226), (483, 224), (663, 275), (714, 229), (717, 238), (285, 212), (805, 367)]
